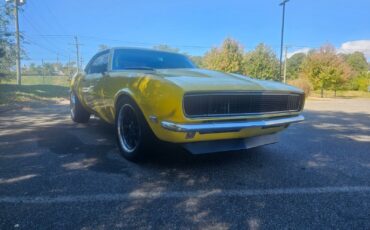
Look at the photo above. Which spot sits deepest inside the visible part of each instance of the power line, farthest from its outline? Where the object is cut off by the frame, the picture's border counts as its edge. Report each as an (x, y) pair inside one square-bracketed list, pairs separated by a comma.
[(32, 42), (119, 40), (56, 19), (143, 43), (45, 20), (50, 43), (51, 60), (43, 47), (53, 35), (100, 40), (47, 41)]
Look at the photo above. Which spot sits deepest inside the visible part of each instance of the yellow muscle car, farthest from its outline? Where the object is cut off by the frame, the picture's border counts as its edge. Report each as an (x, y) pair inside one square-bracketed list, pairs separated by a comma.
[(154, 95)]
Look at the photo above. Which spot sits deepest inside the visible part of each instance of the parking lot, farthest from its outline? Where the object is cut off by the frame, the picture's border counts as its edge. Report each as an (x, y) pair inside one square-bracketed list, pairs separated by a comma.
[(57, 174)]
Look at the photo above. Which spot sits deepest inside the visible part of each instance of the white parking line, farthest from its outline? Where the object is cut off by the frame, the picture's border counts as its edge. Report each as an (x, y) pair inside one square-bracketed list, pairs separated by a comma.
[(185, 194)]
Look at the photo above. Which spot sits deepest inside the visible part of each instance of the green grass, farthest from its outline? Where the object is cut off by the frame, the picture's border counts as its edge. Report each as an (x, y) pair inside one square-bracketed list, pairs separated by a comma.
[(341, 94), (39, 80), (34, 89)]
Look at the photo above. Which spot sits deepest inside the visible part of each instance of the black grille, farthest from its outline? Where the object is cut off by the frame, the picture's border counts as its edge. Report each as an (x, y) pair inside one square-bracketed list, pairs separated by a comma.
[(240, 104)]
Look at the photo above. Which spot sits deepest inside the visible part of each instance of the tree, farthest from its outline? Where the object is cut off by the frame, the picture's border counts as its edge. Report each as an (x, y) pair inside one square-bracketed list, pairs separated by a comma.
[(227, 58), (69, 68), (48, 69), (325, 69), (339, 80), (168, 48), (197, 60), (357, 61), (262, 63), (2, 52), (7, 46), (294, 65), (103, 47), (33, 69), (361, 81)]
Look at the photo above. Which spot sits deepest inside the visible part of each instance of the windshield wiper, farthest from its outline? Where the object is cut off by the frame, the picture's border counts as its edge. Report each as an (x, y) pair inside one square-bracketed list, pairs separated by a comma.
[(140, 68)]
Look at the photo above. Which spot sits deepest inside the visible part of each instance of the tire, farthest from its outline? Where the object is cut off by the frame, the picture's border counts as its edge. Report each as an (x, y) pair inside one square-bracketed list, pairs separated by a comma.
[(134, 135), (78, 112)]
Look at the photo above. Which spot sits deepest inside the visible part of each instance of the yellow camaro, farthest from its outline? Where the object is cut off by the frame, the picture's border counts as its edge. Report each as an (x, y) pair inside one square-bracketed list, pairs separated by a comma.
[(151, 95)]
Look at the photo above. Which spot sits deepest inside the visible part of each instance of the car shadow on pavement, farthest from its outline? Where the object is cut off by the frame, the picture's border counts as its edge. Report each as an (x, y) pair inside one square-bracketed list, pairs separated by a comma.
[(43, 153)]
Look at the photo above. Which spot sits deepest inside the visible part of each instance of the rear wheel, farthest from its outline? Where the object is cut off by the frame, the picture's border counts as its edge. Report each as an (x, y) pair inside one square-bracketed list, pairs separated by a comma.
[(78, 113), (134, 136)]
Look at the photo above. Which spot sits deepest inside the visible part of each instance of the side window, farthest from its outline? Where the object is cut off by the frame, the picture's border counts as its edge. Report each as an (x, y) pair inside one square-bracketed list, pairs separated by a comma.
[(99, 64)]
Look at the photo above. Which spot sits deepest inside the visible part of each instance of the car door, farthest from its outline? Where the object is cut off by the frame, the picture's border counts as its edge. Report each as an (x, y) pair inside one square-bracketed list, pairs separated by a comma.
[(91, 89)]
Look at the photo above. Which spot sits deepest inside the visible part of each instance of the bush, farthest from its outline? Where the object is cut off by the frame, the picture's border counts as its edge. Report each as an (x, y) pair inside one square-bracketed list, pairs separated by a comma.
[(303, 84), (6, 76), (361, 82)]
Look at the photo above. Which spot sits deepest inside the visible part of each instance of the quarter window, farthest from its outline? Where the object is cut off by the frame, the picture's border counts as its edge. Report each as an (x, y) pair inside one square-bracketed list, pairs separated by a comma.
[(99, 64)]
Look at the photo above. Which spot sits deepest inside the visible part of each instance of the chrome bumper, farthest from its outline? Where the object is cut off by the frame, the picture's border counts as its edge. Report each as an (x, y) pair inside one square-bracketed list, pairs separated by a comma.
[(229, 126)]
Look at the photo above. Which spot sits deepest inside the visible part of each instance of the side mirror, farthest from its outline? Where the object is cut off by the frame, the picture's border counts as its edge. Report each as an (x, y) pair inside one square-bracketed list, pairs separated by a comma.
[(104, 70), (105, 73)]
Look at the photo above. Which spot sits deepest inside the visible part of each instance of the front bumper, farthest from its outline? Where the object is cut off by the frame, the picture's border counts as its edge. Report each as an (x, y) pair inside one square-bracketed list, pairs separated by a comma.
[(230, 126), (203, 147)]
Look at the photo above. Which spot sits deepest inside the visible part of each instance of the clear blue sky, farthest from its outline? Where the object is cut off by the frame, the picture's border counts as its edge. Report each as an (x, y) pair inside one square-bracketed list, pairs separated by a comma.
[(191, 25)]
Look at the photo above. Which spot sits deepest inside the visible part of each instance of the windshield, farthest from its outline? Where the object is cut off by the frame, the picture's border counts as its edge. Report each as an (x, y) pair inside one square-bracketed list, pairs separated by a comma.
[(148, 59)]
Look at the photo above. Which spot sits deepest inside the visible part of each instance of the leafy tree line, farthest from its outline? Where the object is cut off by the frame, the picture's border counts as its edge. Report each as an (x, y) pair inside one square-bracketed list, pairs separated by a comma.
[(260, 63), (49, 69), (324, 69), (230, 57), (319, 69)]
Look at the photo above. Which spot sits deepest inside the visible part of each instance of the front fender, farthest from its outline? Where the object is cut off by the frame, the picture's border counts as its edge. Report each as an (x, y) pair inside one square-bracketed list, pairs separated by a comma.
[(156, 98)]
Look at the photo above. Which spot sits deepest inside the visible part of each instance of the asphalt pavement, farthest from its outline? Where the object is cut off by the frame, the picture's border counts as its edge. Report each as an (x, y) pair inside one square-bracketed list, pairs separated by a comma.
[(56, 174)]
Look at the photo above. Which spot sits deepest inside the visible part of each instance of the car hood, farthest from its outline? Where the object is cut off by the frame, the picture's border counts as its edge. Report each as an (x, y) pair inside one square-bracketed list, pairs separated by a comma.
[(208, 80)]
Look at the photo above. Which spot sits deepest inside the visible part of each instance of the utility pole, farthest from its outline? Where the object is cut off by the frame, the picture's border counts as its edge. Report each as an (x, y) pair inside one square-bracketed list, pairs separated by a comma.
[(57, 64), (43, 71), (77, 54), (18, 52), (82, 62), (69, 67), (17, 48), (285, 62), (282, 36)]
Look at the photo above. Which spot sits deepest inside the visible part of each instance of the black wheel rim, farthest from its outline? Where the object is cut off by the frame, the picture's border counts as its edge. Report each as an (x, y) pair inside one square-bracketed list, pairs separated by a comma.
[(128, 128)]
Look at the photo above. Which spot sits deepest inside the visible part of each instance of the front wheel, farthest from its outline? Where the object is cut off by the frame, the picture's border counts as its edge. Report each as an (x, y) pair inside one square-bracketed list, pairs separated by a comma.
[(134, 136), (78, 113)]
